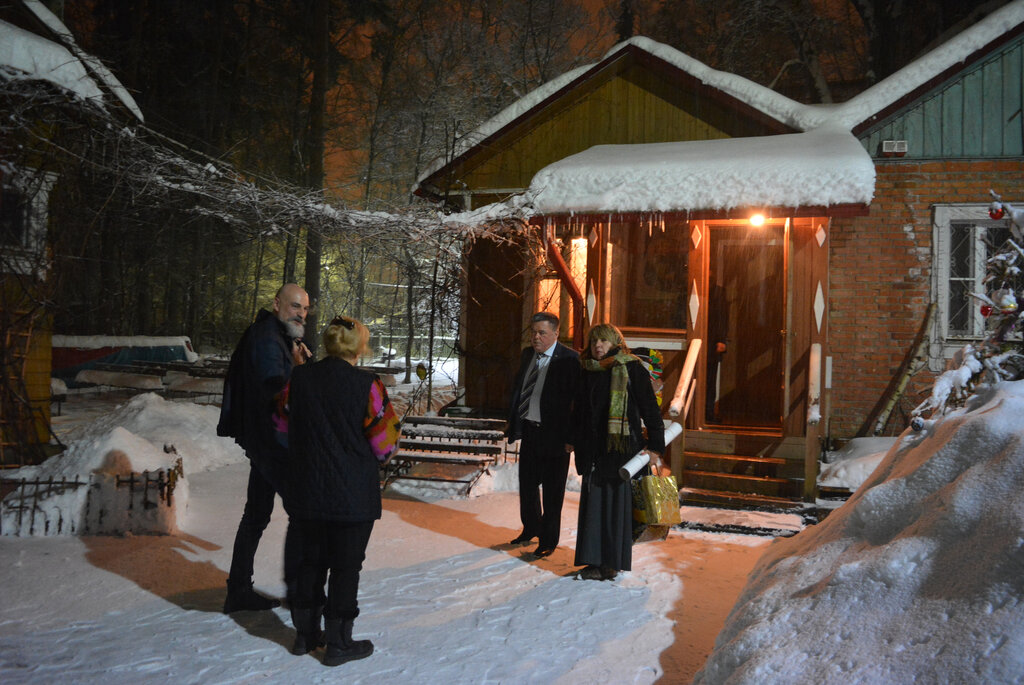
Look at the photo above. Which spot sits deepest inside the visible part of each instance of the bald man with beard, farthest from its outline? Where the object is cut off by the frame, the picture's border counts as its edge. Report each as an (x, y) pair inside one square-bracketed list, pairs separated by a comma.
[(260, 368)]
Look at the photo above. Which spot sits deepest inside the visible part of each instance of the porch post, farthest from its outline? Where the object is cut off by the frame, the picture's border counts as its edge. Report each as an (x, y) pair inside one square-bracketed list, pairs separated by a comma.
[(818, 376)]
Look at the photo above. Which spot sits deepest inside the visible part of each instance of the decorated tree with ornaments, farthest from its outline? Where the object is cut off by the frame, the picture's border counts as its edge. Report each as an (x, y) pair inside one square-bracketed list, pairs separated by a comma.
[(1000, 355)]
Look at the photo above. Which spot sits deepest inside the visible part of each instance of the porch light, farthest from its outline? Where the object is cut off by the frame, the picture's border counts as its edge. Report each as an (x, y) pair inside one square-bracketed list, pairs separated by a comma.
[(757, 220)]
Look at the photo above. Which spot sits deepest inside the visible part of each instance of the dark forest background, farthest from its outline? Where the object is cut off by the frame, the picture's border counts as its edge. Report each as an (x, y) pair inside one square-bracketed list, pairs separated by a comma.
[(352, 99)]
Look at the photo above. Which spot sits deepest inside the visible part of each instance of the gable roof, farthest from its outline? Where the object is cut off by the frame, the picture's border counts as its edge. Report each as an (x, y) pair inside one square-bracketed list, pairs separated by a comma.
[(754, 103)]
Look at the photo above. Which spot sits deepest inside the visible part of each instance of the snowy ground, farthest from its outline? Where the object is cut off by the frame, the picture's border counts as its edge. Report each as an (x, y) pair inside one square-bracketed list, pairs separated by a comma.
[(918, 578), (443, 597)]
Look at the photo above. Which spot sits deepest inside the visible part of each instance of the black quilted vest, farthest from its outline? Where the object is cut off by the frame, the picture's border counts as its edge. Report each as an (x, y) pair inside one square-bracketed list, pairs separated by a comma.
[(332, 475)]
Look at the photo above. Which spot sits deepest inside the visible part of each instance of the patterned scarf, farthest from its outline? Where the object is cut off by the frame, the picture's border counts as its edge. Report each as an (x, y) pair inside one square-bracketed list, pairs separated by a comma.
[(618, 424)]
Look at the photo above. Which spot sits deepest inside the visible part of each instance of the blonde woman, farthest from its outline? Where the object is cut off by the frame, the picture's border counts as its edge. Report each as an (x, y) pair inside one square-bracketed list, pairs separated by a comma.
[(613, 399), (341, 428)]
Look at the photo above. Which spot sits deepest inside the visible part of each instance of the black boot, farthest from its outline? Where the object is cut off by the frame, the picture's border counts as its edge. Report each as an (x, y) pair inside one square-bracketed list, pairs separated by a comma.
[(244, 598), (308, 635), (340, 645)]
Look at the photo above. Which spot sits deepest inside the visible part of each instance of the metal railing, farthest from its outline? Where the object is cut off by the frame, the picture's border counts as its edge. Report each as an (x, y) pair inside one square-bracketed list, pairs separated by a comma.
[(678, 409)]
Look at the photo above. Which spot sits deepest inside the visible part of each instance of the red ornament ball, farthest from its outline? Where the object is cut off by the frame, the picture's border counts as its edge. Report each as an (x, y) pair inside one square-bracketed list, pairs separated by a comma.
[(986, 309), (997, 212)]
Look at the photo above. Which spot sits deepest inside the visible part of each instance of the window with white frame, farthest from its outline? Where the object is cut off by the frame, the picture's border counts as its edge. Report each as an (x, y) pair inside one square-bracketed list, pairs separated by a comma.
[(964, 239), (24, 198)]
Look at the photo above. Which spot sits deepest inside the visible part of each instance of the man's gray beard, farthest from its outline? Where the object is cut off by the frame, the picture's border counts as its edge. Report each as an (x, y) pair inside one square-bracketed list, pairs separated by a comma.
[(295, 329)]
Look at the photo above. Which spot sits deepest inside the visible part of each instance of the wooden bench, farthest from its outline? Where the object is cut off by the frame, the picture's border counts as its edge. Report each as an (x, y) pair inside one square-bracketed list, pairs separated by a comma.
[(446, 441)]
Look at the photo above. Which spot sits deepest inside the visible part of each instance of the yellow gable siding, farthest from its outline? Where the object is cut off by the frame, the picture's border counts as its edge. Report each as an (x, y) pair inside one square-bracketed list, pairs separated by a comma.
[(632, 107)]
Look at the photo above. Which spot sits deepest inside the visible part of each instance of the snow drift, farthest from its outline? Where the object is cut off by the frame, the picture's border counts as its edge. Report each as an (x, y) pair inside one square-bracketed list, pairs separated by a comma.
[(918, 577)]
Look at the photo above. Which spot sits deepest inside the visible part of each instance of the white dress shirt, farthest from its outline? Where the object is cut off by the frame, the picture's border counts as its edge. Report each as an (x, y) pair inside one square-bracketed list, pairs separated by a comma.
[(541, 360)]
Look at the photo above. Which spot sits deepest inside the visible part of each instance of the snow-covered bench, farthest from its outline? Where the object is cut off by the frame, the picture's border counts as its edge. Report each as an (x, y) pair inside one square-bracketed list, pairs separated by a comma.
[(446, 449)]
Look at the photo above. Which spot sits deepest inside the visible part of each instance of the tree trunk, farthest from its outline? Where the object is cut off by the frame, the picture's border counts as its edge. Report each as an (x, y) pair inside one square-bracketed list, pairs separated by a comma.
[(315, 160)]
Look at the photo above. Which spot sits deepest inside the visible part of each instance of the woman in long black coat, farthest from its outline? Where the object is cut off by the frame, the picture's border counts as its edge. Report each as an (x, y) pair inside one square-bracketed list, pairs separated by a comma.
[(614, 398)]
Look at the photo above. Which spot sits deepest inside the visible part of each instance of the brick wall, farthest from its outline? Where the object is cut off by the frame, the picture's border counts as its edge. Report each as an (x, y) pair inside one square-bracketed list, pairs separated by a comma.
[(880, 276)]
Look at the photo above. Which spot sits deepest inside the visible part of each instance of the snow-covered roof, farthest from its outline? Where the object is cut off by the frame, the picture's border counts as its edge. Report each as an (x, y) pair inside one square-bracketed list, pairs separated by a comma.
[(864, 105), (504, 118), (765, 100), (821, 167), (920, 72), (95, 342), (824, 167), (23, 54), (769, 102), (92, 63), (26, 55)]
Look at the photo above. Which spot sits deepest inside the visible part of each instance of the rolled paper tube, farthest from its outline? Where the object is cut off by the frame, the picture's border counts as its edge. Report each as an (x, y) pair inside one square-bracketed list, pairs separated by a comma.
[(633, 466)]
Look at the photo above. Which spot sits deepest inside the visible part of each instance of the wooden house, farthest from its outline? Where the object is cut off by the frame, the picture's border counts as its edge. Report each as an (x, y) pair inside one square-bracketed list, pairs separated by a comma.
[(791, 251), (37, 49)]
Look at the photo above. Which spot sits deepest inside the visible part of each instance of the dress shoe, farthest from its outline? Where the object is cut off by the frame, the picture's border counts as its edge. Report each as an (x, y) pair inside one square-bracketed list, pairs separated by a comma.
[(522, 539), (542, 552)]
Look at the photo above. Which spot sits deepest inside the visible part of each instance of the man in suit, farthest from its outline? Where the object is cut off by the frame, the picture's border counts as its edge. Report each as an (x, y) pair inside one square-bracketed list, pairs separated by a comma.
[(542, 396)]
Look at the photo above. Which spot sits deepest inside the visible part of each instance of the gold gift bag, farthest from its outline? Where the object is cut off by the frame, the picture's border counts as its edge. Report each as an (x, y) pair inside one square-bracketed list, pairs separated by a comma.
[(656, 500)]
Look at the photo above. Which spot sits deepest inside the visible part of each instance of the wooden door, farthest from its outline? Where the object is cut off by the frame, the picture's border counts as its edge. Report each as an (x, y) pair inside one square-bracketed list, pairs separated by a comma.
[(746, 320)]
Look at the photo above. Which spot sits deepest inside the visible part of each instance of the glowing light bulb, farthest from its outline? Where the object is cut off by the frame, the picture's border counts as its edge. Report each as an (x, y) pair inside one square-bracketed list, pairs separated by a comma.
[(757, 220)]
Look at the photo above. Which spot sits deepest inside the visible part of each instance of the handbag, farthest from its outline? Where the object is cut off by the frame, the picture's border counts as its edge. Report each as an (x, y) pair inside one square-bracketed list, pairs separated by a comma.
[(656, 500)]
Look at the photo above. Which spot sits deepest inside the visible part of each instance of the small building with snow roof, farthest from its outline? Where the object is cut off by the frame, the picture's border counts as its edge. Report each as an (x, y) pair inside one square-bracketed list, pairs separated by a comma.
[(793, 251), (36, 52)]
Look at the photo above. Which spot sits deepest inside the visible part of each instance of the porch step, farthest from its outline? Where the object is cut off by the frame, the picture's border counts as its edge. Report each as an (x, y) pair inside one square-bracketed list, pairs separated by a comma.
[(739, 483), (738, 474), (699, 497), (732, 463)]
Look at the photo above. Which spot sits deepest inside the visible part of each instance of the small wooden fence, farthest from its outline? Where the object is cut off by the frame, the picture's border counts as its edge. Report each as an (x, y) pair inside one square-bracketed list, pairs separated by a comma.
[(63, 506)]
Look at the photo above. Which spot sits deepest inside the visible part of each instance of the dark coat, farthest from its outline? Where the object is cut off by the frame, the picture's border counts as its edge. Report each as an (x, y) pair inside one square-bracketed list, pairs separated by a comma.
[(333, 474), (590, 421), (555, 399), (259, 370)]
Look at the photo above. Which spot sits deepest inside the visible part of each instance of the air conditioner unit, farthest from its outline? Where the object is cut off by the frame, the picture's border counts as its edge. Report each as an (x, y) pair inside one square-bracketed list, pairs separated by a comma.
[(894, 148)]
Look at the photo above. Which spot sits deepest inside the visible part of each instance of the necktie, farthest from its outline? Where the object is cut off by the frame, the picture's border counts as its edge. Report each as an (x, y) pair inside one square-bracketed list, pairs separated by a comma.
[(528, 383)]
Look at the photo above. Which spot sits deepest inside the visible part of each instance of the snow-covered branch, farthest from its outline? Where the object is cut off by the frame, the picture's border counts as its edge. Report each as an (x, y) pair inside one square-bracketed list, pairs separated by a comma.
[(164, 175)]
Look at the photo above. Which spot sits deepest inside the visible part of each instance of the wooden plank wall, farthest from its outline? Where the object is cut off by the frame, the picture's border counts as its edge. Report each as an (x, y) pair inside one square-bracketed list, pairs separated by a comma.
[(976, 114), (38, 367), (629, 108)]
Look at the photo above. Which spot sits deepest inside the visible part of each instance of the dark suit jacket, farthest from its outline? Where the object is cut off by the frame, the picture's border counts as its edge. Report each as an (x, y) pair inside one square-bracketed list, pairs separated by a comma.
[(556, 396)]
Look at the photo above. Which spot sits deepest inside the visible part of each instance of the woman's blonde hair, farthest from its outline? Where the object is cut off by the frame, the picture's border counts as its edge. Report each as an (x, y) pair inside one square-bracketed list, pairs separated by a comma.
[(346, 338), (609, 332)]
